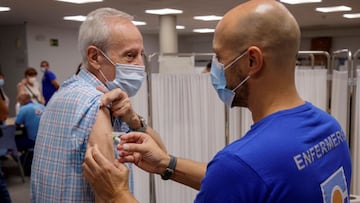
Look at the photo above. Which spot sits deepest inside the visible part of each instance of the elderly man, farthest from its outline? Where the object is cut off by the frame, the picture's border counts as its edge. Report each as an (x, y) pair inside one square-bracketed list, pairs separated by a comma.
[(294, 152), (111, 47)]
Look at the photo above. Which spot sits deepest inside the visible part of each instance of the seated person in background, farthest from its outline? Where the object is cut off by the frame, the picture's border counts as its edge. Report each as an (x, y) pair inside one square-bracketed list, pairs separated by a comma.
[(29, 117)]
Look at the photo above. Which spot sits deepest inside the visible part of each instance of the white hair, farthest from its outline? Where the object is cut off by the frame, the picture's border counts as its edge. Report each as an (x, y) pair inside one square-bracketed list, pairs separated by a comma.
[(95, 31)]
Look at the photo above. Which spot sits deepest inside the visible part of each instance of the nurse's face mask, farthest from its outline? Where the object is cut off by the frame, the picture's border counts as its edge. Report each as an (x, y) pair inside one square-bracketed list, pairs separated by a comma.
[(127, 77), (218, 79)]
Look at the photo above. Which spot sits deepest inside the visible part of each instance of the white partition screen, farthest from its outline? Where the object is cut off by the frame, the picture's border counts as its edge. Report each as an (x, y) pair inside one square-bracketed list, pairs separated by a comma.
[(312, 86), (141, 179), (190, 119), (176, 64), (339, 98), (355, 140)]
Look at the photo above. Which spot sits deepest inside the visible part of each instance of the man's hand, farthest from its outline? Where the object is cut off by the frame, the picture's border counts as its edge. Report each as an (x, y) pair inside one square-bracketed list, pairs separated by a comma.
[(120, 105), (141, 149), (108, 180)]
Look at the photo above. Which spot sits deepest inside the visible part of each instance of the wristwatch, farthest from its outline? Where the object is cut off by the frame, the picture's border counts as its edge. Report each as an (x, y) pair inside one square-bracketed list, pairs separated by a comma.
[(169, 171), (143, 125)]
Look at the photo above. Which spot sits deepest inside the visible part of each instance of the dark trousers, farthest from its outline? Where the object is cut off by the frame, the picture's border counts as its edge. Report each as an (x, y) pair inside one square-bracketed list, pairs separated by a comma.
[(23, 143), (4, 193)]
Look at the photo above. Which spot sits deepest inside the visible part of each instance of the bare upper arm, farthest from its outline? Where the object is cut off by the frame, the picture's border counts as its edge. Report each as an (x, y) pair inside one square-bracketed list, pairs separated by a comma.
[(101, 134)]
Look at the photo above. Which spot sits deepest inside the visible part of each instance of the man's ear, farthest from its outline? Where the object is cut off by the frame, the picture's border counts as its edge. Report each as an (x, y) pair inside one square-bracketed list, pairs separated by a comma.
[(256, 60), (94, 57)]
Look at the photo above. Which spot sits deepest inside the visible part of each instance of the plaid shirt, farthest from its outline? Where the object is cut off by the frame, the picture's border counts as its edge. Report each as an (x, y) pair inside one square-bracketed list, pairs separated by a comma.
[(61, 142)]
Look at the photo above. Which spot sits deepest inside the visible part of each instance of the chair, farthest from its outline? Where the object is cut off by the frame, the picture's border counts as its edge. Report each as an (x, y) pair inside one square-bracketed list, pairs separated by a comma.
[(7, 141)]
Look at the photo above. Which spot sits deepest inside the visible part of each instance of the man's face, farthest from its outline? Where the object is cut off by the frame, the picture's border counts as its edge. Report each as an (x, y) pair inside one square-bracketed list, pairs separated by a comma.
[(44, 65), (126, 47)]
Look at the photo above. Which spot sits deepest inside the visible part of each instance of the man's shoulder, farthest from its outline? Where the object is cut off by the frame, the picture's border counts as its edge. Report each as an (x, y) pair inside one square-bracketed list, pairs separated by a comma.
[(39, 106), (76, 93), (50, 75)]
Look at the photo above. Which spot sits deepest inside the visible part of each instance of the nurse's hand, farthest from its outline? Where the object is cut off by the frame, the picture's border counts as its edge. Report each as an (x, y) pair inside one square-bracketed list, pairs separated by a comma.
[(140, 149)]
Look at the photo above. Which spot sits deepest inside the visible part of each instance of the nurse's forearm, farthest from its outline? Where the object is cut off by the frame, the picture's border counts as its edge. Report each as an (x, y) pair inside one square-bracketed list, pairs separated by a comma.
[(189, 173)]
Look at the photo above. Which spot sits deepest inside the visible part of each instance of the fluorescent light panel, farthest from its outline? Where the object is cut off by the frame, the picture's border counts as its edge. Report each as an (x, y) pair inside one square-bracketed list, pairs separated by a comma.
[(351, 15), (4, 8), (83, 18), (208, 18), (80, 1), (138, 22), (333, 9), (180, 27), (300, 1), (164, 11), (75, 18), (204, 30)]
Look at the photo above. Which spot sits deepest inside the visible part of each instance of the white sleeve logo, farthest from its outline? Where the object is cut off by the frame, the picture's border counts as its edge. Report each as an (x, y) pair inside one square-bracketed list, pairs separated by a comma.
[(334, 188)]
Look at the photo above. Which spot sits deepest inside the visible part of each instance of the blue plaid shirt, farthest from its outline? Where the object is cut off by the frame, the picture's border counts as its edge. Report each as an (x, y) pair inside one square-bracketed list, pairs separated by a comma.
[(64, 129)]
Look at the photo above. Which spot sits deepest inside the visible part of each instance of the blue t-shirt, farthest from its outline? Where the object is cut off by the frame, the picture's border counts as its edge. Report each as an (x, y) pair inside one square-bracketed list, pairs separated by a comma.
[(48, 88), (29, 116), (297, 155)]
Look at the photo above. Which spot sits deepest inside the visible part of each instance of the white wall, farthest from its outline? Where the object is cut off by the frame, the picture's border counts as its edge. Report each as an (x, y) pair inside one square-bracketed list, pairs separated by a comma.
[(63, 59), (13, 59)]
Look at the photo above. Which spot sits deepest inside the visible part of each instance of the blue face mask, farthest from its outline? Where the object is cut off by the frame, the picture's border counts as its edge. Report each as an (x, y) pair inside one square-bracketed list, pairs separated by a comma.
[(218, 80), (2, 82), (127, 77)]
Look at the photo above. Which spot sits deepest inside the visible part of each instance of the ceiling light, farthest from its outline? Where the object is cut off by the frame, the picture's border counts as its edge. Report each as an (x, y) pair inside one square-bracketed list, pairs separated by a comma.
[(333, 9), (204, 30), (75, 18), (180, 27), (352, 15), (4, 8), (80, 1), (208, 18), (164, 11), (300, 1), (138, 22)]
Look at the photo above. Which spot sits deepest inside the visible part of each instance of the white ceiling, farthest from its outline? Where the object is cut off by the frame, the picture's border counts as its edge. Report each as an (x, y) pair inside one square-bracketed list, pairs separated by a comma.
[(51, 12)]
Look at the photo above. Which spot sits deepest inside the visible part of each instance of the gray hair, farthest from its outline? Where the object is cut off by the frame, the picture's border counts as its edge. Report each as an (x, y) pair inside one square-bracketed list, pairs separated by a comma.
[(95, 31)]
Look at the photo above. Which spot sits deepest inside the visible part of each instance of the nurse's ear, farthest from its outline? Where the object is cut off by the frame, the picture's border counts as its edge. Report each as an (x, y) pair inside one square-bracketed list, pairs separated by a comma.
[(256, 60)]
